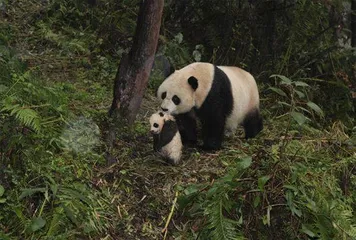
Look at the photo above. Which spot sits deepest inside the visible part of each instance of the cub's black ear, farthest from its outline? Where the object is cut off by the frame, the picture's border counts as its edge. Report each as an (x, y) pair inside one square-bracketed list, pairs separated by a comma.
[(193, 82)]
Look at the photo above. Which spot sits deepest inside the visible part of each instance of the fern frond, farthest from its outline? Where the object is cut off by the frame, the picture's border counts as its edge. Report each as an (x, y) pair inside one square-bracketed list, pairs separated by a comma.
[(222, 228), (25, 116)]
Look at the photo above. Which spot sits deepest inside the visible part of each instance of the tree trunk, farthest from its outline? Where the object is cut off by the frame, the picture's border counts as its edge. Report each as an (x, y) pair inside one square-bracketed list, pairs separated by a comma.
[(353, 23), (134, 69)]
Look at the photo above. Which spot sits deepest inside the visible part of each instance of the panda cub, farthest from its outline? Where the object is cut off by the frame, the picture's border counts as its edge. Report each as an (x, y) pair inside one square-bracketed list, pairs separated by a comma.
[(166, 137), (222, 97)]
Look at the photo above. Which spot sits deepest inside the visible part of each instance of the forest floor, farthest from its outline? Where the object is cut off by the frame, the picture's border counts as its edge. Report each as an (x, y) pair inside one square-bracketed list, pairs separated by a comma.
[(140, 187)]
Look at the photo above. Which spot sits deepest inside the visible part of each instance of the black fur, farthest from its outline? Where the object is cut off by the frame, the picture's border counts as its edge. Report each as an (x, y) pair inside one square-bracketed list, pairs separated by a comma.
[(169, 130), (187, 127), (252, 123), (193, 82), (215, 109)]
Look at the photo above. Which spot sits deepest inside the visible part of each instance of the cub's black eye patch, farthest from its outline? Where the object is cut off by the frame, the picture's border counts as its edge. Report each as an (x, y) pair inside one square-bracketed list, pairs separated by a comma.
[(155, 125), (163, 96), (161, 114), (176, 100)]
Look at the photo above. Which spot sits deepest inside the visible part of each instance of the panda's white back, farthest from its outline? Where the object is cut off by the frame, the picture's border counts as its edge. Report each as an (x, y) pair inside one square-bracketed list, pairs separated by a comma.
[(244, 92)]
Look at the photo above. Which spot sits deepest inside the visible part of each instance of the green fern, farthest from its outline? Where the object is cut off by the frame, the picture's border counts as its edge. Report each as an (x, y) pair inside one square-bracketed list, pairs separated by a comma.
[(24, 115), (222, 228)]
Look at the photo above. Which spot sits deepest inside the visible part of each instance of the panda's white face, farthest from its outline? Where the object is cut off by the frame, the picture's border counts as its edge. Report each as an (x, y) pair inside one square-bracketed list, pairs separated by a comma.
[(176, 95), (186, 88), (157, 122)]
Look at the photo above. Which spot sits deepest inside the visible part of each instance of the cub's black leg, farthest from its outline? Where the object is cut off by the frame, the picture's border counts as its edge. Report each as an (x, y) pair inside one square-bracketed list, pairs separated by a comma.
[(252, 123), (213, 133), (187, 126)]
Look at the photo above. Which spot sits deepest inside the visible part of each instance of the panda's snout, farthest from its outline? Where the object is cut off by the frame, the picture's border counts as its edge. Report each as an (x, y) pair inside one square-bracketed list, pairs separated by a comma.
[(153, 132), (164, 109)]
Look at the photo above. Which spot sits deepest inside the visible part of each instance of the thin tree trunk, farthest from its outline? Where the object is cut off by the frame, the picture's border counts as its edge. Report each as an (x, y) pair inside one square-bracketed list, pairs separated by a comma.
[(134, 69)]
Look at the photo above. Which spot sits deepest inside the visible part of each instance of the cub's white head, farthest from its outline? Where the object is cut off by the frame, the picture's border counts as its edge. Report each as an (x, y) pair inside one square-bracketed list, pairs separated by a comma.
[(157, 121)]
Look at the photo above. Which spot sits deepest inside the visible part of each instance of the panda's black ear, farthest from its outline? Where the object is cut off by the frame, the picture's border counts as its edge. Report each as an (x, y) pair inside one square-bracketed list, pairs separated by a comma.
[(193, 82)]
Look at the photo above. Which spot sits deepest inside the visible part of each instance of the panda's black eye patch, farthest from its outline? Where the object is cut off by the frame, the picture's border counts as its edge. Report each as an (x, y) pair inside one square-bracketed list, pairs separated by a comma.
[(155, 125), (164, 95), (176, 100), (161, 114)]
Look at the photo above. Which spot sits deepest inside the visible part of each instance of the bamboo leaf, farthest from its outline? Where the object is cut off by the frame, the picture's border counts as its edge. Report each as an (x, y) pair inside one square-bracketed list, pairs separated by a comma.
[(316, 108), (298, 117), (284, 79), (278, 91)]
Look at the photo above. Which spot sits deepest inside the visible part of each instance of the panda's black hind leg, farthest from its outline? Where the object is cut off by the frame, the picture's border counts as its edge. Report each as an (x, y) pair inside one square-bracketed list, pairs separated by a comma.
[(253, 123), (212, 133)]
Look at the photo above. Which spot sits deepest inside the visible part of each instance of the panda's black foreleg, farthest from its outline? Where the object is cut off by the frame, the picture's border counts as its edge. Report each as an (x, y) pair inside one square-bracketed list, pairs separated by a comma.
[(253, 124), (212, 133), (187, 126)]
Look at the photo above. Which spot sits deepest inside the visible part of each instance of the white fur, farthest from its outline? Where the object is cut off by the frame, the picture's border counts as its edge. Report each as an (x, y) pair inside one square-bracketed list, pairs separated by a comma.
[(245, 95), (177, 83), (173, 149), (243, 86)]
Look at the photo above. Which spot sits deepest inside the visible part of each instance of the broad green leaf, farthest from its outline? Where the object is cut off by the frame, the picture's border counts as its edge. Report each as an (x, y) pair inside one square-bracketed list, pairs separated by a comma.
[(278, 91), (262, 181), (316, 108), (37, 224), (2, 200), (300, 84), (2, 190), (300, 94), (298, 117), (284, 79), (244, 163)]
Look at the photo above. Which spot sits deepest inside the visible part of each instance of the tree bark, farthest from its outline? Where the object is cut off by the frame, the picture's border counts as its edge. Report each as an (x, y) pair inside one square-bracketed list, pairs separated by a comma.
[(353, 23), (134, 69)]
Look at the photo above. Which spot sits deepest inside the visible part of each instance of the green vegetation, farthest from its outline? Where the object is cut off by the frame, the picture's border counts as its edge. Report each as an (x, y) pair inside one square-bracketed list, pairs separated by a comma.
[(58, 59)]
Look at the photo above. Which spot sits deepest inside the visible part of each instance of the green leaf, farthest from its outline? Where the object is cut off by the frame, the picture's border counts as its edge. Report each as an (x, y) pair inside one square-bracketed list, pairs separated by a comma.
[(37, 224), (316, 108), (29, 191), (300, 94), (2, 200), (262, 181), (284, 103), (300, 84), (278, 91), (284, 79), (307, 231), (2, 190), (244, 163), (298, 117), (256, 201)]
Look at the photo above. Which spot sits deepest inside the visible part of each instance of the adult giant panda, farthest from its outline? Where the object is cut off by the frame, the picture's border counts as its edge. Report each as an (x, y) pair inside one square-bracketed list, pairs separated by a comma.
[(221, 96)]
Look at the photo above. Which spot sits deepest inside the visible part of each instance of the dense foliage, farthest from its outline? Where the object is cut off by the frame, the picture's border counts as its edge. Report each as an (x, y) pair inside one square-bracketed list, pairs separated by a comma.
[(295, 181)]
